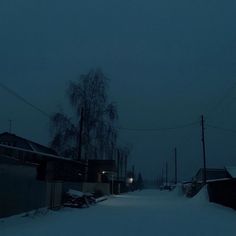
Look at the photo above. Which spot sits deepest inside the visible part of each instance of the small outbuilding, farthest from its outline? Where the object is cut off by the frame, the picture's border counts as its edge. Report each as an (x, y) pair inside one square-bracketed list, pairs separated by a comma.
[(223, 191)]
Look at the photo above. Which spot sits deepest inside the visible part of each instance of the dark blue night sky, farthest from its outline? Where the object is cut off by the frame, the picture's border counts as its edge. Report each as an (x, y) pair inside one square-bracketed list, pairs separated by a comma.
[(169, 62)]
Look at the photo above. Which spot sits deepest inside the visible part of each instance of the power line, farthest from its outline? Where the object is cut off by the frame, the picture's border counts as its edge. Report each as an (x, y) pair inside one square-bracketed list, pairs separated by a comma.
[(160, 129), (24, 100), (221, 128), (227, 94)]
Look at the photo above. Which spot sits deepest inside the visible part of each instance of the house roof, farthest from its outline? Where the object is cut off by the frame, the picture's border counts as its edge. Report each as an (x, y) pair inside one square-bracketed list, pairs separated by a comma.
[(212, 174), (22, 151), (17, 141), (39, 152), (232, 171)]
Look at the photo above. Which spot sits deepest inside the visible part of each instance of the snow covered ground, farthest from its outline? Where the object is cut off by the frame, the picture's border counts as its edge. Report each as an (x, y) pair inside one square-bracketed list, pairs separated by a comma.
[(149, 212)]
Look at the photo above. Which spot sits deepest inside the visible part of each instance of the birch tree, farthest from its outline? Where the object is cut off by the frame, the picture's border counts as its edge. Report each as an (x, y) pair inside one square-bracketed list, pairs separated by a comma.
[(92, 131)]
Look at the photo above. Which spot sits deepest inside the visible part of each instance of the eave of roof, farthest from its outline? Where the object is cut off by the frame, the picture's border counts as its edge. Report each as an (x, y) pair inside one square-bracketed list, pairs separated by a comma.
[(48, 156)]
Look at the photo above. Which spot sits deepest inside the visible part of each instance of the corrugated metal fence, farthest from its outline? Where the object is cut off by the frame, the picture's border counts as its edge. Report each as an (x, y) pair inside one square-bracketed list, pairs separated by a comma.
[(19, 189)]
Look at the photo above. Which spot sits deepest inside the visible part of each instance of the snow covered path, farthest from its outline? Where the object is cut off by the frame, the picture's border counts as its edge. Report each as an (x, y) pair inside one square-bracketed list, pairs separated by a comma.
[(148, 212)]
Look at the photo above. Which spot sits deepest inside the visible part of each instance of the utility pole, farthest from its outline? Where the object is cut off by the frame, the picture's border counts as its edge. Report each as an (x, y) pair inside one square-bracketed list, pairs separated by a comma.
[(176, 167), (81, 126), (126, 162), (118, 164), (203, 149), (166, 173), (10, 126), (121, 165), (133, 171), (162, 176)]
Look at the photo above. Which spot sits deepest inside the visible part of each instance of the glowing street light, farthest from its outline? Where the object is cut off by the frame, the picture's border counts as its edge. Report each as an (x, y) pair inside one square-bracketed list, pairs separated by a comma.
[(130, 180)]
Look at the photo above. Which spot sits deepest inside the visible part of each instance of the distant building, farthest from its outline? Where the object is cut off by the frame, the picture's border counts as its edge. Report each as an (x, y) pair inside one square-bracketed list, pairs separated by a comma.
[(101, 170)]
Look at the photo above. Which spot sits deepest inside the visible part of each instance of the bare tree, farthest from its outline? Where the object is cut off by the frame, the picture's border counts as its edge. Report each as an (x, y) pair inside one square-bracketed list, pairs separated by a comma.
[(63, 132), (94, 132)]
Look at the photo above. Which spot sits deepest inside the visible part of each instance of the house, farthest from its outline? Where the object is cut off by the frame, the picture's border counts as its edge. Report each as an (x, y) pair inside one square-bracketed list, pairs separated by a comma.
[(223, 191), (101, 170), (221, 185), (211, 174), (13, 140), (101, 176), (50, 166), (33, 176), (191, 188)]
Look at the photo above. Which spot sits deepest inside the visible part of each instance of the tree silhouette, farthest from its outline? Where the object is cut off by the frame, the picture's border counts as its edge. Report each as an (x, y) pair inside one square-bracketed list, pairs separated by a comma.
[(92, 131)]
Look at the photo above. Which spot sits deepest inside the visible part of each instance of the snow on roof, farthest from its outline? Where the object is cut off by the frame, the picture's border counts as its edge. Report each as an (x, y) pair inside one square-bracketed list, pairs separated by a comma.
[(232, 171), (212, 174), (21, 142), (217, 180), (40, 153)]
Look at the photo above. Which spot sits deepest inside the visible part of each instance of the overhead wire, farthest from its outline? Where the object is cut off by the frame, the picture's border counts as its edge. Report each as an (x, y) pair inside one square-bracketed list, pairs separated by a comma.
[(154, 129), (209, 114), (160, 128), (221, 128), (24, 100), (221, 101), (216, 108)]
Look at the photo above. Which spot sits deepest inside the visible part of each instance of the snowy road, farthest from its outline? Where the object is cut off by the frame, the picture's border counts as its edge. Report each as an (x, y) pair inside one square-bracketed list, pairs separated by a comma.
[(148, 212)]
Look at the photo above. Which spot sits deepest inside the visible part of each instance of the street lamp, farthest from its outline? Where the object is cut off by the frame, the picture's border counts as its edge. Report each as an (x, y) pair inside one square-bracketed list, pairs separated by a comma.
[(130, 180)]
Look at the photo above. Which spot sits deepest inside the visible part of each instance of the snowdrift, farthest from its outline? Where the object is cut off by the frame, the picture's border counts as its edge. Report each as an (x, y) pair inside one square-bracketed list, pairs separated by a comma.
[(202, 196), (178, 191)]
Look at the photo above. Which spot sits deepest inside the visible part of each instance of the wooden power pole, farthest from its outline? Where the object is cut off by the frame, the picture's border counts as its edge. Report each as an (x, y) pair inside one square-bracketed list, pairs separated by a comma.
[(162, 176), (133, 171), (81, 126), (125, 167), (203, 149), (10, 126), (166, 173), (176, 167), (118, 164)]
